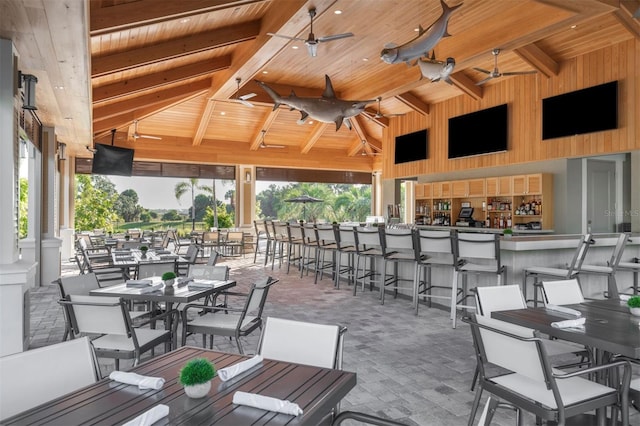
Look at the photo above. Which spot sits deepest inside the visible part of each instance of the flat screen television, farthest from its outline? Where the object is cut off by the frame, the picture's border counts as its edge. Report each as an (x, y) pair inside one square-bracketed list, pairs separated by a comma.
[(588, 110), (112, 160), (479, 132), (412, 147)]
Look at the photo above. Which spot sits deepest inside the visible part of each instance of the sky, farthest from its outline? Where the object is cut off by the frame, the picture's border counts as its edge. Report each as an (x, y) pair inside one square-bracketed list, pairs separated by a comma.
[(159, 192)]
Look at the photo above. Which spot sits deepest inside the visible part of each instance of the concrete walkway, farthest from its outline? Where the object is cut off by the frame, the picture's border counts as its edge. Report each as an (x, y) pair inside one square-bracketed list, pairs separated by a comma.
[(413, 369)]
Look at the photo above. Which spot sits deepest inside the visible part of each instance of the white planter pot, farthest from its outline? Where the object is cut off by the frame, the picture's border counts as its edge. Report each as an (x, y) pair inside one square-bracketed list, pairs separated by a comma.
[(635, 311), (169, 283), (198, 391)]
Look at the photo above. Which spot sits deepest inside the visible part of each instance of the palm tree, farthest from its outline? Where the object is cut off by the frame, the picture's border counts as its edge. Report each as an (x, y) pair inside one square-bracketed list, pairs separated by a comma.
[(180, 189), (212, 190)]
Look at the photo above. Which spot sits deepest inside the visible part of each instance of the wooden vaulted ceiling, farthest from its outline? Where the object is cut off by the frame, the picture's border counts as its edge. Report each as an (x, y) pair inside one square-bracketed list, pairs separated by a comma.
[(172, 68)]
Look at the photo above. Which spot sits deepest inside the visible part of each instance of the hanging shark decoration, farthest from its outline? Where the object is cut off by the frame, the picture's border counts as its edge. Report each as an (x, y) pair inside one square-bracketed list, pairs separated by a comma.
[(436, 70), (423, 43), (327, 109)]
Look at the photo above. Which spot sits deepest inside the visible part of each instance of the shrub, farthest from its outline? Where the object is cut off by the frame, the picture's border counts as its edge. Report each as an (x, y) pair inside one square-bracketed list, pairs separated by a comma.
[(144, 248), (168, 276), (196, 371), (634, 302)]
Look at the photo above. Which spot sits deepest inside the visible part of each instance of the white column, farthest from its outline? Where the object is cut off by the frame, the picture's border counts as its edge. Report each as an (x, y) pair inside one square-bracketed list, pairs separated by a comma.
[(14, 273), (67, 200), (50, 244)]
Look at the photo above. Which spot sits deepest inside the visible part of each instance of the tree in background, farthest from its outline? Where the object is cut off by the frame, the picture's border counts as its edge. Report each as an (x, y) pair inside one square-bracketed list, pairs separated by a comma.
[(145, 216), (24, 204), (214, 200), (171, 215), (127, 205), (181, 188), (201, 203), (94, 201), (225, 220)]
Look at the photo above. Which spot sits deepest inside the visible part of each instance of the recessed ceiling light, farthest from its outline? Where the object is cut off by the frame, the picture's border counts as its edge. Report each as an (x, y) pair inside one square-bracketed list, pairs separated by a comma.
[(416, 29), (573, 27), (59, 87), (265, 72), (294, 47), (310, 121), (223, 113), (365, 59), (338, 12), (184, 20)]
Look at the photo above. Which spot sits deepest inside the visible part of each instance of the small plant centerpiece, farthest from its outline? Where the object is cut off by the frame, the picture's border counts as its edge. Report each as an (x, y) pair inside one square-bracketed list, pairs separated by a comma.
[(144, 250), (196, 377), (169, 278), (634, 305), (507, 233)]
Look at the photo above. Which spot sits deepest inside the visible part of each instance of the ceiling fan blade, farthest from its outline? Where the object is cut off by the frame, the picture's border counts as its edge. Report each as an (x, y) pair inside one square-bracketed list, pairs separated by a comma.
[(247, 96), (149, 137), (519, 72), (335, 37), (481, 70), (484, 81), (286, 36), (245, 103)]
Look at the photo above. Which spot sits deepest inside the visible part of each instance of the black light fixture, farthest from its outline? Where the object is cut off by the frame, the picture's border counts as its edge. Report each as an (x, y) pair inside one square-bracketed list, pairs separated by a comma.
[(29, 80), (62, 151)]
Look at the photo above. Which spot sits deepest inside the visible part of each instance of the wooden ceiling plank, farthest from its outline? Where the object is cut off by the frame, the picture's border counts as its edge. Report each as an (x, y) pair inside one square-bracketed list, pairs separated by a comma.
[(464, 83), (414, 103), (266, 125), (177, 92), (625, 16), (175, 48), (159, 79), (538, 59), (318, 130), (104, 20)]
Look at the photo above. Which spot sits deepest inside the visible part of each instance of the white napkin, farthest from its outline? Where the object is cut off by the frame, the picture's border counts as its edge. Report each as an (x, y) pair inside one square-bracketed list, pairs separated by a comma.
[(143, 382), (151, 288), (233, 370), (564, 310), (139, 283), (203, 284), (150, 416), (266, 403), (625, 297), (578, 322)]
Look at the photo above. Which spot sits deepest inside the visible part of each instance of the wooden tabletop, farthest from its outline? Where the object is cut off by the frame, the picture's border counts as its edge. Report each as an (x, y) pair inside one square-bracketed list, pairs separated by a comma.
[(316, 390), (609, 326)]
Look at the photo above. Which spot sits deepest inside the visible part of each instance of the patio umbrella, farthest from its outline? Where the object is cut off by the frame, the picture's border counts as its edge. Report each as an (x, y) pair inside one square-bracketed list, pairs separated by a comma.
[(304, 199)]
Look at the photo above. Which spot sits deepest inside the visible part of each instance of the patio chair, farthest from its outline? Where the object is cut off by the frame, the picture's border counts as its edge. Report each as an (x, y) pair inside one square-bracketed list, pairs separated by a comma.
[(233, 244), (527, 381), (364, 418), (103, 269), (226, 321), (154, 269), (213, 258), (82, 285), (562, 292), (211, 240), (609, 269), (109, 318), (178, 243), (35, 376), (190, 257)]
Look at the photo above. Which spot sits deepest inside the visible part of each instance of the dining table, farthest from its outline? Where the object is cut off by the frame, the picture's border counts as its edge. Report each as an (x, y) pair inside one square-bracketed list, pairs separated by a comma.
[(129, 259), (315, 390)]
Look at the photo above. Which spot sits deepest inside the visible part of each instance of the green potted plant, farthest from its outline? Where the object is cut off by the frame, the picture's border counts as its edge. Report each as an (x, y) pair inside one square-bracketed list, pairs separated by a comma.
[(169, 278), (507, 233), (634, 305), (196, 377), (144, 249)]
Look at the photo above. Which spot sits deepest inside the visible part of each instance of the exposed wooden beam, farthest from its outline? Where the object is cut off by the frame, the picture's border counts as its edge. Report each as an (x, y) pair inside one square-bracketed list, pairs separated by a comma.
[(538, 59), (104, 20), (174, 48), (372, 115), (628, 15), (318, 130), (413, 102), (182, 91), (464, 83), (160, 79), (266, 125), (203, 123)]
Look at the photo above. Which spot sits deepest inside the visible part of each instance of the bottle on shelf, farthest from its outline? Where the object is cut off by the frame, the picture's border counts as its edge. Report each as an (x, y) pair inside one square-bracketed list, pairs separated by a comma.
[(487, 222), (508, 225), (501, 222)]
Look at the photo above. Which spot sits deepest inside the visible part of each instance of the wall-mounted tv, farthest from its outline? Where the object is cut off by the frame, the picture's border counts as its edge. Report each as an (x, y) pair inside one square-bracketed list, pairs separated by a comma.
[(412, 147), (112, 160), (480, 132), (593, 109)]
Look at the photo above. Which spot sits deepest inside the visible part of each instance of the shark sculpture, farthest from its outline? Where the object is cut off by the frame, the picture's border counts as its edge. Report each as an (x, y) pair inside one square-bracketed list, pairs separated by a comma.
[(436, 70), (327, 108), (423, 43)]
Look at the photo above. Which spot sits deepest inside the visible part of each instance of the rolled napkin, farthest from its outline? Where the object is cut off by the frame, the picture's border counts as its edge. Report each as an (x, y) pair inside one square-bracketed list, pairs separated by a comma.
[(143, 382), (233, 370), (266, 403), (163, 252), (150, 416), (151, 288), (625, 297), (564, 310), (139, 283), (200, 284), (168, 256), (182, 281), (578, 322)]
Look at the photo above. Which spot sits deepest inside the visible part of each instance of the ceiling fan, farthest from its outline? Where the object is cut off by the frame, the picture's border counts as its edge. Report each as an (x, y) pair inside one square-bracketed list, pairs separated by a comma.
[(370, 149), (264, 145), (137, 135), (495, 73), (378, 114), (243, 99), (312, 41)]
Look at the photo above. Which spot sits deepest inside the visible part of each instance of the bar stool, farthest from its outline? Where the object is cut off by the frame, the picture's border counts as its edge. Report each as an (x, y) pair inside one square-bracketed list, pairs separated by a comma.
[(296, 241), (309, 247), (434, 250), (568, 272), (261, 237), (368, 248), (326, 240), (280, 238), (634, 267), (270, 247), (471, 247), (346, 249), (609, 270), (398, 247)]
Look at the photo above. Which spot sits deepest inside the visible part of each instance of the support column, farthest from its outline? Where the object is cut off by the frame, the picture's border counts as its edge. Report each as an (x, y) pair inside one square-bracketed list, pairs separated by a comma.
[(246, 189), (376, 194), (65, 206), (50, 244)]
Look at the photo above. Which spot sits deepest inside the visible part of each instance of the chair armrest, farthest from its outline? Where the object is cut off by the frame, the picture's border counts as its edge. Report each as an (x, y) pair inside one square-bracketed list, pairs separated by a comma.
[(583, 371), (208, 308)]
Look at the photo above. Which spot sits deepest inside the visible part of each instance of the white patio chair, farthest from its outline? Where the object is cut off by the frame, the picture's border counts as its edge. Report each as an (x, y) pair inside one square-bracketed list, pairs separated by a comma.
[(609, 269), (527, 381), (562, 292), (109, 317), (36, 376)]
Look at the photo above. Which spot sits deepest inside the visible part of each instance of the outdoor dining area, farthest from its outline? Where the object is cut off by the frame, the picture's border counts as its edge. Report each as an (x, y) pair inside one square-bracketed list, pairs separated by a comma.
[(352, 323)]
